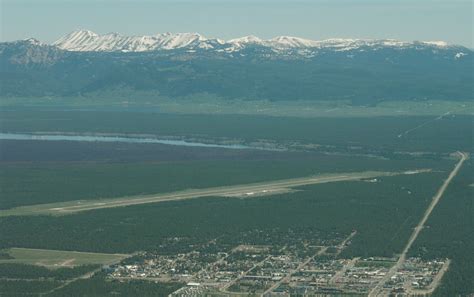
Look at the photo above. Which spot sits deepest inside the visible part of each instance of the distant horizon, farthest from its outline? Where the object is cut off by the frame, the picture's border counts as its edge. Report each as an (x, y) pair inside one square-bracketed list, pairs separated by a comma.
[(404, 20)]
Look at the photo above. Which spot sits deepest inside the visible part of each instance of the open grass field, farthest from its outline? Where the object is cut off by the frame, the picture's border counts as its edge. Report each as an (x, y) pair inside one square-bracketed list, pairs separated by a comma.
[(59, 259)]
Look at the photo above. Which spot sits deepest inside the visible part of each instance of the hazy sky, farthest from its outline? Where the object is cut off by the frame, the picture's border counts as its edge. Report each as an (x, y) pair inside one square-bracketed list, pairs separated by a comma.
[(47, 20)]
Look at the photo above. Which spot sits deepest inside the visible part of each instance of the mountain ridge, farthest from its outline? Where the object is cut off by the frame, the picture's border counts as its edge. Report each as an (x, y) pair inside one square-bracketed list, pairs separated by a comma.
[(86, 40)]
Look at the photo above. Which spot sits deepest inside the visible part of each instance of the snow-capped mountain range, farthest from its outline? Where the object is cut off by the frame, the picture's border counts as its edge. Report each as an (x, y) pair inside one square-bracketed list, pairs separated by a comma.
[(85, 40), (281, 68)]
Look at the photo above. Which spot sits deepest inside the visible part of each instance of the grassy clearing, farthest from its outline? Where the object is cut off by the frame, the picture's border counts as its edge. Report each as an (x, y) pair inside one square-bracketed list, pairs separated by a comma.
[(58, 259)]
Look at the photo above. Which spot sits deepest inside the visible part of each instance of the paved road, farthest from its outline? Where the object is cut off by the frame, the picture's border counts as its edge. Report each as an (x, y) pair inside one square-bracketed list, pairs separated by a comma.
[(377, 290)]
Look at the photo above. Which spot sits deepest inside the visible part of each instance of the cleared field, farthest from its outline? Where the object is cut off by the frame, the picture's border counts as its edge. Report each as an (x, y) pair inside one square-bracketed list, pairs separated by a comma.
[(246, 190), (57, 259)]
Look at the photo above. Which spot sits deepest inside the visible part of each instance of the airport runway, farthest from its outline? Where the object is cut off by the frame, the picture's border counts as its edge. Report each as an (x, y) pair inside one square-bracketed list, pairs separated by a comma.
[(237, 191)]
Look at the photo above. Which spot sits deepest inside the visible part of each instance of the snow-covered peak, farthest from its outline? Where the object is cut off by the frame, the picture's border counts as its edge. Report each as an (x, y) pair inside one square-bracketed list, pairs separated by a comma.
[(33, 41), (239, 43), (178, 40), (290, 42), (246, 39), (76, 40), (79, 35)]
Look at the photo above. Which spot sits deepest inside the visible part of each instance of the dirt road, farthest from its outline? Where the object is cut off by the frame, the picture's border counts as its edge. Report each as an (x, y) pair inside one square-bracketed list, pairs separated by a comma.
[(423, 124)]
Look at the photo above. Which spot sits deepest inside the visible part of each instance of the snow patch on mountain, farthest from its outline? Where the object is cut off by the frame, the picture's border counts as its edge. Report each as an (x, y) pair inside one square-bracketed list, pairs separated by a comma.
[(436, 43), (33, 41)]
